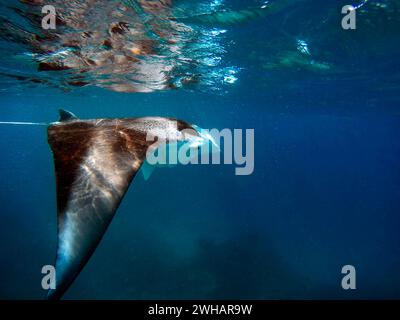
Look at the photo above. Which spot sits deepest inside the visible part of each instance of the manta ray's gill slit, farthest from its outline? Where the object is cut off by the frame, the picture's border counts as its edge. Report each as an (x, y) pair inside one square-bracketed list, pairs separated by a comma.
[(19, 123)]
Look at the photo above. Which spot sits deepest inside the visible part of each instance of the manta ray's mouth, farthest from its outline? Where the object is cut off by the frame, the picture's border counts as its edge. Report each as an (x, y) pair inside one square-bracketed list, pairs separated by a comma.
[(204, 137)]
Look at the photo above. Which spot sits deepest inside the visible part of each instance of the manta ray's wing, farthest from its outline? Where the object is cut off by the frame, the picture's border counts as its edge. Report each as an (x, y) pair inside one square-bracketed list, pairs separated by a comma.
[(95, 161)]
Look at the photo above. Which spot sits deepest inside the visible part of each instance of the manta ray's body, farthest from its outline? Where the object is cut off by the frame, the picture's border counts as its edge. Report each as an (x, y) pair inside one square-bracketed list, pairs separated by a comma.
[(95, 161)]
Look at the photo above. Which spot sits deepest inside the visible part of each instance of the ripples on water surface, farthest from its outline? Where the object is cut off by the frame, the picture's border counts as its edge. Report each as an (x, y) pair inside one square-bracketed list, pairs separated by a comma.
[(130, 46), (142, 46)]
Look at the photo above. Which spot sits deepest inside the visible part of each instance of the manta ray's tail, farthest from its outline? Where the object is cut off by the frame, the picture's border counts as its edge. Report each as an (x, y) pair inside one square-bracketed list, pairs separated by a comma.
[(95, 162)]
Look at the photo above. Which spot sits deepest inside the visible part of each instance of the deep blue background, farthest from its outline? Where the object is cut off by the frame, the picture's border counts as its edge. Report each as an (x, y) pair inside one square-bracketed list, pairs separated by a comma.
[(324, 193)]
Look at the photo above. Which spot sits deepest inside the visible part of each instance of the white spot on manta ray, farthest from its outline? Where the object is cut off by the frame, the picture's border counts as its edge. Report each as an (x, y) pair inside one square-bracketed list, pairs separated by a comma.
[(66, 250)]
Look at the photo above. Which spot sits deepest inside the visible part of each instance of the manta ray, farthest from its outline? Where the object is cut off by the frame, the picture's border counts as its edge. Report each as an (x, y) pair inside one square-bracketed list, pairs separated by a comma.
[(95, 162)]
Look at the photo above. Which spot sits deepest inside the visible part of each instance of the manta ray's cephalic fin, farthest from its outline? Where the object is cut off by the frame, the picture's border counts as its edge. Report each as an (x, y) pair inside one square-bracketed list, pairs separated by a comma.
[(95, 162)]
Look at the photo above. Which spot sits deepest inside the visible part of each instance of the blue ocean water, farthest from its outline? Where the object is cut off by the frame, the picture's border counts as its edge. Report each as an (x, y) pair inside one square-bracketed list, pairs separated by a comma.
[(325, 191)]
